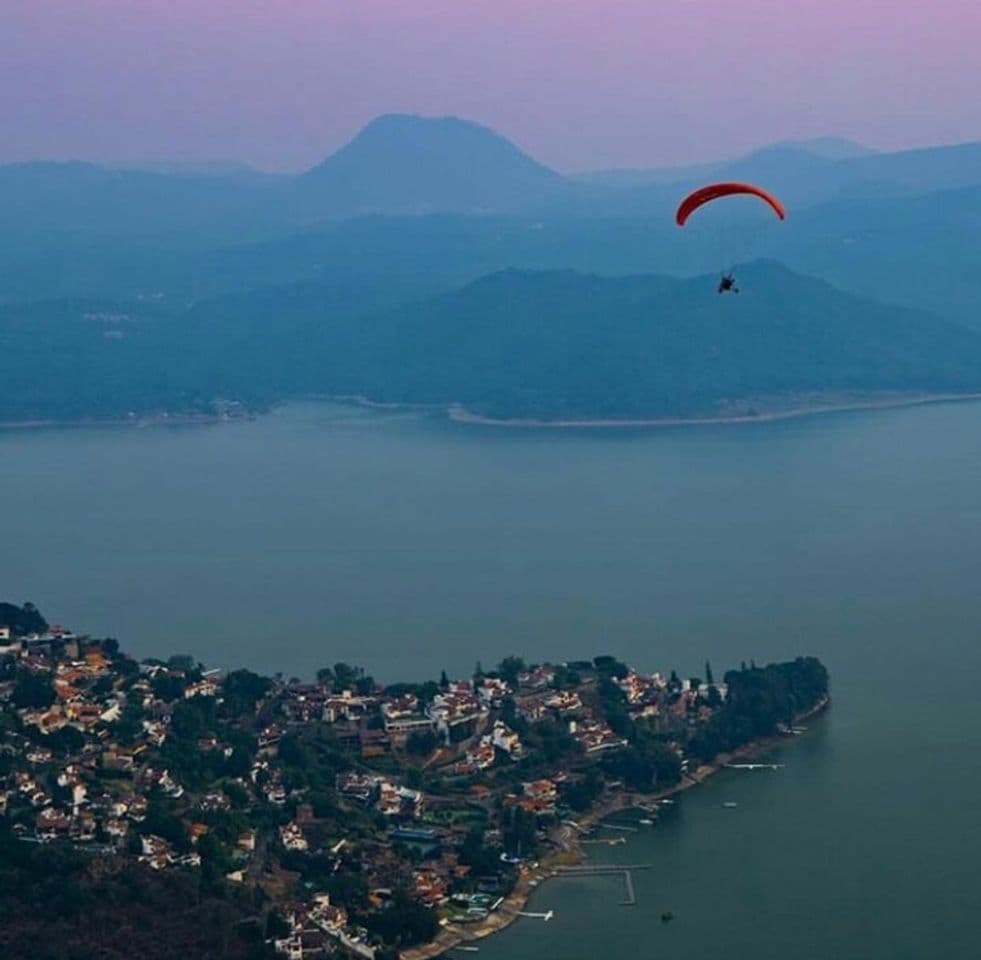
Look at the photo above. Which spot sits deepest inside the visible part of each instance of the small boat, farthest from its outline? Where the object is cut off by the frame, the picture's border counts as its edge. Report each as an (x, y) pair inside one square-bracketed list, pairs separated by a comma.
[(646, 822), (730, 804), (666, 802)]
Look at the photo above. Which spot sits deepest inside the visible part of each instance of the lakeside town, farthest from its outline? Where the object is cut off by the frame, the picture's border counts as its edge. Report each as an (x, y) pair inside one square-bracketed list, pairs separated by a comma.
[(342, 815)]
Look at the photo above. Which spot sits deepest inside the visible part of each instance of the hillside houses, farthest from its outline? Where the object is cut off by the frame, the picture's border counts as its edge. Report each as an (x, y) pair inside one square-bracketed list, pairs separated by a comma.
[(549, 703), (418, 790), (536, 678), (389, 798), (314, 930), (456, 706), (537, 797), (595, 735), (291, 837), (312, 703), (404, 715)]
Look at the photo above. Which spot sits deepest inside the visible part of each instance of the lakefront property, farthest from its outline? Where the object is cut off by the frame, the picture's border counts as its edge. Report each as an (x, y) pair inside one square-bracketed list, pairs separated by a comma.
[(247, 816)]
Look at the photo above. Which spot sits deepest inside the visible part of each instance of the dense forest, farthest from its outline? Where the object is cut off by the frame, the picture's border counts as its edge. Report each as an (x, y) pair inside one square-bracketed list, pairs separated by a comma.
[(59, 903), (552, 345)]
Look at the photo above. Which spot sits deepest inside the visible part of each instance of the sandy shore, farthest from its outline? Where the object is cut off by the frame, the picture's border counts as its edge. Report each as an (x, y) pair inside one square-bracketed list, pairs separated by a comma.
[(460, 414), (570, 851)]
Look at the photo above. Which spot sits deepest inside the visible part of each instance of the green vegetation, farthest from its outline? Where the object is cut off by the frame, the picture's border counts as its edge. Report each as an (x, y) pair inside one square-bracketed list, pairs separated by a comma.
[(404, 922), (33, 690), (514, 344), (760, 700), (57, 903), (22, 620)]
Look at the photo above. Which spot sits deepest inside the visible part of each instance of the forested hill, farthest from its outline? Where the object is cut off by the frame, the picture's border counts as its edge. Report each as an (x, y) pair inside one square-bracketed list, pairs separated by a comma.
[(554, 344), (563, 344), (22, 620)]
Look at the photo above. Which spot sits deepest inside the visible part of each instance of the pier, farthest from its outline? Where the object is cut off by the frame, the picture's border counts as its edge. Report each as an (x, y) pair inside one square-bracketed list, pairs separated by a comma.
[(628, 882), (611, 869)]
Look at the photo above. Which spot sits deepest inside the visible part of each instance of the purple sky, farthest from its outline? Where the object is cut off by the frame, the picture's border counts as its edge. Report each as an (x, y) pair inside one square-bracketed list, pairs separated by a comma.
[(578, 83)]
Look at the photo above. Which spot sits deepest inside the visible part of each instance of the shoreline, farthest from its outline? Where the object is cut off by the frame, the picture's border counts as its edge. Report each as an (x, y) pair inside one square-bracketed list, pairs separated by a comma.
[(150, 420), (458, 414), (451, 937)]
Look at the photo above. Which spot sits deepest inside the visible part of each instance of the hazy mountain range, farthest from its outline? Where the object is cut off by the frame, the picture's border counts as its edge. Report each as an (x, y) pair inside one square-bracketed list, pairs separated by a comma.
[(550, 344), (407, 165), (363, 275)]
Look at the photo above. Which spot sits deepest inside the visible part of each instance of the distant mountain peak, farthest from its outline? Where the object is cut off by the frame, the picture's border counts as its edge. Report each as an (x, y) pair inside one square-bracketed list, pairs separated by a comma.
[(407, 135), (417, 122), (829, 148), (404, 163)]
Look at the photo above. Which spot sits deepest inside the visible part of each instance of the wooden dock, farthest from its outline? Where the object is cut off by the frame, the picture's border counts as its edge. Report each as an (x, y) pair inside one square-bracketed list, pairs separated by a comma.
[(606, 870), (628, 882)]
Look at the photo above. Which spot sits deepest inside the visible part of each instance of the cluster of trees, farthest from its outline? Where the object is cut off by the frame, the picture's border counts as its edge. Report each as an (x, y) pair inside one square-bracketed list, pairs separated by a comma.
[(241, 693), (482, 858), (195, 719), (33, 690), (403, 922), (22, 620), (581, 793), (421, 743), (759, 700), (519, 832), (56, 902), (311, 760), (647, 763), (343, 676)]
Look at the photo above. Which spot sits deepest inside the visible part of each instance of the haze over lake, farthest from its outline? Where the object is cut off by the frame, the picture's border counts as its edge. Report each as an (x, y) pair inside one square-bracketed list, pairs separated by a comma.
[(409, 545)]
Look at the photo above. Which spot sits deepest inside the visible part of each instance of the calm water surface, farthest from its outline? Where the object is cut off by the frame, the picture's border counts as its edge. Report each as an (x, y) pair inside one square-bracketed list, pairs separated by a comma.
[(409, 545)]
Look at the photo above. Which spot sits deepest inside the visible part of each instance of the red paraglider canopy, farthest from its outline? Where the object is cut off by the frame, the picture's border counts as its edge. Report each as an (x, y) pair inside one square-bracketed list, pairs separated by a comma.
[(716, 190)]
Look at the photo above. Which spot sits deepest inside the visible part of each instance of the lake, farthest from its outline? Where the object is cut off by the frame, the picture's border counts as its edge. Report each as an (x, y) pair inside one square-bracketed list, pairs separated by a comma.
[(408, 545)]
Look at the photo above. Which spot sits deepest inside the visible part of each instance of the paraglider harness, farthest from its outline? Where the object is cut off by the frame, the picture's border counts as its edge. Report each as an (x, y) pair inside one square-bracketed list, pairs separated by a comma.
[(727, 283)]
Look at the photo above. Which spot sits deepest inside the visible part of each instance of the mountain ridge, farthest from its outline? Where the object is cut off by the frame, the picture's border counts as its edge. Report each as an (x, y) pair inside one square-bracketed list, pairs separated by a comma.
[(406, 164), (560, 344), (548, 345)]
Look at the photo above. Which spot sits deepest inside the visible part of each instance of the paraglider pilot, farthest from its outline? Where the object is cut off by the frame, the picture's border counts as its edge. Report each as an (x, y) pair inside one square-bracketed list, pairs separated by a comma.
[(727, 283), (715, 191)]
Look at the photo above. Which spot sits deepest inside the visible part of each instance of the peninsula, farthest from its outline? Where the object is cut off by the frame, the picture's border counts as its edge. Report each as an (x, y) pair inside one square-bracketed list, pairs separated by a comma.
[(160, 808)]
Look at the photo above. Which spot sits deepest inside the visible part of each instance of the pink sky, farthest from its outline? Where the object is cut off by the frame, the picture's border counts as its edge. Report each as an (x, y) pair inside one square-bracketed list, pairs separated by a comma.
[(578, 83)]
